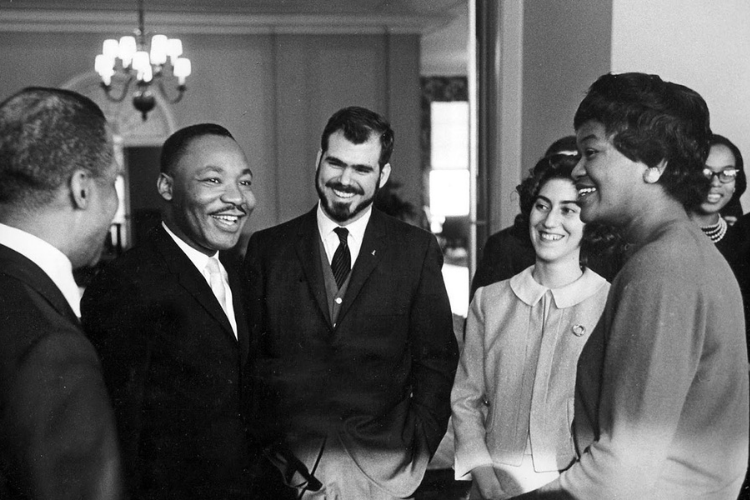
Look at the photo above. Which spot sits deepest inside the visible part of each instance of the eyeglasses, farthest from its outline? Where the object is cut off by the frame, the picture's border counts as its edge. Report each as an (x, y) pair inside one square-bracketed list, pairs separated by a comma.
[(725, 176)]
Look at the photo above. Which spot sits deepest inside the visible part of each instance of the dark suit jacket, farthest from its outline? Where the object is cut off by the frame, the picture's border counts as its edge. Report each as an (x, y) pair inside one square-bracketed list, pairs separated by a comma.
[(174, 369), (57, 430), (381, 378)]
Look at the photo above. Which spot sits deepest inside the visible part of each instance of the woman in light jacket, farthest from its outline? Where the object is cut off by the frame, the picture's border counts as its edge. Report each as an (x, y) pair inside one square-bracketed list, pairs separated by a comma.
[(513, 395)]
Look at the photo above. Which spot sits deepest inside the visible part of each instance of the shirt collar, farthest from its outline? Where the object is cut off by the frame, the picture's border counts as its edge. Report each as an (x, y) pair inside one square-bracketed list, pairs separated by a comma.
[(50, 259), (356, 228), (199, 259), (530, 292)]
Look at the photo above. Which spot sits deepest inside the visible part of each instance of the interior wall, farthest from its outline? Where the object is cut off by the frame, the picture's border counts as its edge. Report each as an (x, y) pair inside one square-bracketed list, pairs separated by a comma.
[(273, 92), (566, 46), (704, 45)]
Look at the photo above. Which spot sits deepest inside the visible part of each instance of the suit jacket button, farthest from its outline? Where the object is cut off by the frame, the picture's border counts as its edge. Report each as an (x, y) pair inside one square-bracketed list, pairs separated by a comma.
[(338, 300)]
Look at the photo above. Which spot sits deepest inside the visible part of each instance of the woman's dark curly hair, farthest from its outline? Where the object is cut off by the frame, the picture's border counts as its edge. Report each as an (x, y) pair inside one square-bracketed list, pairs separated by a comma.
[(649, 120), (597, 238)]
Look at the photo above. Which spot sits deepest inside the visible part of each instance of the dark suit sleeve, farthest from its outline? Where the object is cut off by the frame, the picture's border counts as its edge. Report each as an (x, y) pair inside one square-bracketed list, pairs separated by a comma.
[(56, 412), (118, 322), (263, 402), (434, 349)]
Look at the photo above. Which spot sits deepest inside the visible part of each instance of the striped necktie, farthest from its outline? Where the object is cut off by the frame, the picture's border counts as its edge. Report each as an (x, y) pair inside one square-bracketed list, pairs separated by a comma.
[(341, 263)]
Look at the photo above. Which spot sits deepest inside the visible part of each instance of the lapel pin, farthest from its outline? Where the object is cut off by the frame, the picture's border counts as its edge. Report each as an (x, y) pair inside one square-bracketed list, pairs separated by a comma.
[(373, 252), (578, 330)]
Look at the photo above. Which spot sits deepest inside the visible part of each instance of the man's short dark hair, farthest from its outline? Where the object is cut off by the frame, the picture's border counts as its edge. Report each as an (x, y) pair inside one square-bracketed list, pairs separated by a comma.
[(45, 135), (650, 120), (358, 124), (176, 145)]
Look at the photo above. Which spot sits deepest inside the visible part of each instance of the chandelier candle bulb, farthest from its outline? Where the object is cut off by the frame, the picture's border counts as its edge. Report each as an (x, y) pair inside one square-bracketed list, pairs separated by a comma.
[(111, 48), (141, 62), (127, 50), (174, 49), (182, 69), (159, 50)]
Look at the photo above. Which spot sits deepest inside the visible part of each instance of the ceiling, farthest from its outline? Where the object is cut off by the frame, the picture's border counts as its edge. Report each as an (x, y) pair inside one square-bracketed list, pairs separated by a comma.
[(266, 7), (442, 24)]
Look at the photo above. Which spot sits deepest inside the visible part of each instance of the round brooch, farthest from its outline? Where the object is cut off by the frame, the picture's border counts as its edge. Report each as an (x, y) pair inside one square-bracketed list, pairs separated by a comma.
[(578, 330)]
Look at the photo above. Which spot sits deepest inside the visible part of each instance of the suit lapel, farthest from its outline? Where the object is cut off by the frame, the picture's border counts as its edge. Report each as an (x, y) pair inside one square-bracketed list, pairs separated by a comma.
[(370, 253), (189, 277), (308, 252), (20, 267), (243, 335)]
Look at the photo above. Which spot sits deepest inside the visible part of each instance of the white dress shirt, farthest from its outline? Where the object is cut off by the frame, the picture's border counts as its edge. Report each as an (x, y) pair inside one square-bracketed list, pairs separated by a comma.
[(53, 262), (331, 239), (200, 260)]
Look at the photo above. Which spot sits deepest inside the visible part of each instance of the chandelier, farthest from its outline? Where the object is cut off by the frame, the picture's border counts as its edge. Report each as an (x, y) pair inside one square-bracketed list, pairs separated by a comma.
[(131, 58)]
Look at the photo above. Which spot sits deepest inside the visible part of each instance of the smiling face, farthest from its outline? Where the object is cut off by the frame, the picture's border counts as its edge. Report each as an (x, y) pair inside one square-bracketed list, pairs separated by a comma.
[(349, 176), (555, 225), (720, 158), (209, 194), (610, 185)]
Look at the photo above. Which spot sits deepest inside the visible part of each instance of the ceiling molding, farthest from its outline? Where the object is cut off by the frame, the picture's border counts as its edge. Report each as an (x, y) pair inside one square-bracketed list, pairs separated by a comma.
[(217, 24)]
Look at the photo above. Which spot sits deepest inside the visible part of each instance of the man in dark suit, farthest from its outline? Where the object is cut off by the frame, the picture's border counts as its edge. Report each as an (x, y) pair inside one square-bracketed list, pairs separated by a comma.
[(167, 320), (57, 199), (357, 351)]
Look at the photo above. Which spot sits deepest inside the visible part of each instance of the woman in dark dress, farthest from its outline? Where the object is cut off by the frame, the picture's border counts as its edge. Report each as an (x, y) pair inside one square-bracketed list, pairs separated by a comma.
[(725, 169)]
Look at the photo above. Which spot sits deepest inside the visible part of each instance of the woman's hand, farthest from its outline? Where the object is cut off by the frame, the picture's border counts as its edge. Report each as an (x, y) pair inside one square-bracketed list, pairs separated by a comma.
[(489, 486)]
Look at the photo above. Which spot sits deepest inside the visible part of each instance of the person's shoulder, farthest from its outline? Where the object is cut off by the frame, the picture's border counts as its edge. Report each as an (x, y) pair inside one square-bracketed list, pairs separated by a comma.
[(285, 229), (140, 264), (681, 253), (509, 236), (135, 259), (494, 292), (399, 228), (27, 318)]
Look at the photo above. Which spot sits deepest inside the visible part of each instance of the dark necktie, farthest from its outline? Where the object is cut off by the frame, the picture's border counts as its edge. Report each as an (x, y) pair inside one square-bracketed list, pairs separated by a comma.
[(341, 263)]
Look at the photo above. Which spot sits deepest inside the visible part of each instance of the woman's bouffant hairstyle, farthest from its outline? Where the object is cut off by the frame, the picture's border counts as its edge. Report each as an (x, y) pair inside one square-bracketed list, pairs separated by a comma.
[(597, 238), (649, 120)]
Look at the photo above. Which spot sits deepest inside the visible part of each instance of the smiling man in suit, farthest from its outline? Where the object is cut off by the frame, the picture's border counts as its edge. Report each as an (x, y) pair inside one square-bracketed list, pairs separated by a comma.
[(357, 352), (167, 320), (57, 199)]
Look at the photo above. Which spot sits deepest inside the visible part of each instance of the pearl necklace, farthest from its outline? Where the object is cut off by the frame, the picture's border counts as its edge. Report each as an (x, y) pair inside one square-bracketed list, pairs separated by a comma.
[(716, 231)]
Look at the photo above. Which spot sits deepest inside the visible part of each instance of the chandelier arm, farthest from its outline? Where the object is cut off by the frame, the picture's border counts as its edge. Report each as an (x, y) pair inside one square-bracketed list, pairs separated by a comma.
[(108, 90), (180, 89)]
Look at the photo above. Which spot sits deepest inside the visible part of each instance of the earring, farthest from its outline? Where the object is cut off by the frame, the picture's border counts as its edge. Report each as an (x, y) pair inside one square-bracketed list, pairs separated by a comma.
[(651, 175)]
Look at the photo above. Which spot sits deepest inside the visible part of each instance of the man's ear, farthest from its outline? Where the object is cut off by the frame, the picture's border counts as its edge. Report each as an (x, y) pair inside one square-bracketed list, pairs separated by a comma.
[(385, 172), (317, 158), (80, 188), (164, 186)]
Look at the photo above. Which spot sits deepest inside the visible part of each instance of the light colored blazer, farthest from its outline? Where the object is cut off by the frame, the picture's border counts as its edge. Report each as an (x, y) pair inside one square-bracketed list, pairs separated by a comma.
[(516, 375)]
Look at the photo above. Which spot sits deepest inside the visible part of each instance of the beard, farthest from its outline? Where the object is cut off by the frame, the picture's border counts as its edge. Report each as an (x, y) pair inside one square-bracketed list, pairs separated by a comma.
[(342, 212)]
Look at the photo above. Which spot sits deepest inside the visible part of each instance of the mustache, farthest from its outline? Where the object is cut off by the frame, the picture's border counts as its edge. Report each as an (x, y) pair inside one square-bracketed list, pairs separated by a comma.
[(229, 209), (344, 189)]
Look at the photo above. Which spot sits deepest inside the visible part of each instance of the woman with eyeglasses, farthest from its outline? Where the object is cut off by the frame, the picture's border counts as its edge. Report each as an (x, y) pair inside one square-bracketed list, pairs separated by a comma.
[(513, 394), (725, 169)]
